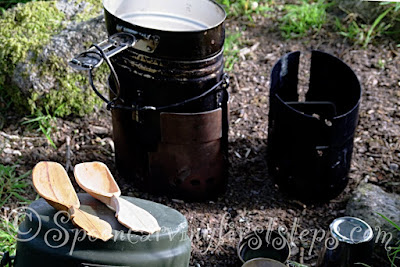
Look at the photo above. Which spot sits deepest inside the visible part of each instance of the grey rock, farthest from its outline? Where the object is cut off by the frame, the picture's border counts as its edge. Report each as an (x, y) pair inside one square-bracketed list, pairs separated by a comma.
[(368, 11), (367, 201), (71, 8), (8, 150), (65, 45), (394, 167), (45, 74), (12, 151)]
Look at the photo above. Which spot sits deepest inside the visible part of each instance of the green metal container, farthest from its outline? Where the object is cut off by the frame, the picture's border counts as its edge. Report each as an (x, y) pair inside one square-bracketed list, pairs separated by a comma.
[(48, 238)]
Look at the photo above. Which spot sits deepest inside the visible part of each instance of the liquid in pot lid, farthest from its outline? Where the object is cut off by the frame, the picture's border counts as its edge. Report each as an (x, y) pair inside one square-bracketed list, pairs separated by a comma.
[(164, 22)]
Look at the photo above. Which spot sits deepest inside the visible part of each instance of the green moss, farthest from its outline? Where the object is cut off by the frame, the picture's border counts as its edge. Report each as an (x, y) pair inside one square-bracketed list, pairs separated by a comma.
[(70, 98), (25, 30)]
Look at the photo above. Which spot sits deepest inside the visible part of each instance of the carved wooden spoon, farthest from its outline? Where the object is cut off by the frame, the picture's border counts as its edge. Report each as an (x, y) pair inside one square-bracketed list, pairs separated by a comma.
[(53, 184), (96, 179)]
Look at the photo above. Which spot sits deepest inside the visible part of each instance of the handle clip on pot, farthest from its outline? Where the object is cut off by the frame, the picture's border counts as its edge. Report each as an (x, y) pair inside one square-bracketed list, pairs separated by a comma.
[(145, 42), (93, 57), (98, 53)]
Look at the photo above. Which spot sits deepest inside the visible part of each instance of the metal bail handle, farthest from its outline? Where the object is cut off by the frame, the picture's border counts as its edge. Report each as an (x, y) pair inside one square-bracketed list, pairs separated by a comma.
[(98, 53), (93, 57), (222, 85)]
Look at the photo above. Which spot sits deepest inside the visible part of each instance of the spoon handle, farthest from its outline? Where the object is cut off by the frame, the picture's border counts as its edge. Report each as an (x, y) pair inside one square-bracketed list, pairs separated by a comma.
[(134, 217), (93, 225)]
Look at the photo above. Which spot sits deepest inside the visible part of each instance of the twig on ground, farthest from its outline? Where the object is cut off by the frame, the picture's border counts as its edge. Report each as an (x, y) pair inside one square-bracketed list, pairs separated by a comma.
[(301, 259), (16, 137), (235, 81), (247, 50), (68, 154)]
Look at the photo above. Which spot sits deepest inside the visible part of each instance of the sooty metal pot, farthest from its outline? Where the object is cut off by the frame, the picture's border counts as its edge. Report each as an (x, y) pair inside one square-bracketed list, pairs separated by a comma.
[(174, 29), (47, 238), (168, 93)]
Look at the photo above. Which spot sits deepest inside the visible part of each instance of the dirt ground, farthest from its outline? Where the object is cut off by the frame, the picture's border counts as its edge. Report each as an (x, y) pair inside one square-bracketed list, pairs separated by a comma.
[(252, 199)]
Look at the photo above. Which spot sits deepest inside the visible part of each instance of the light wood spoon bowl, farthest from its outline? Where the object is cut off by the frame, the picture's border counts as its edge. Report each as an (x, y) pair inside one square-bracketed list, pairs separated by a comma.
[(96, 179), (51, 181)]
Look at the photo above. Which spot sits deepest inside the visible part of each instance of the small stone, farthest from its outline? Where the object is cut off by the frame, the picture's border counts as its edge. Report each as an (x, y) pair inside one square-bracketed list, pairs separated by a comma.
[(362, 150), (204, 233), (12, 151), (269, 57), (291, 211), (294, 250), (17, 153), (254, 5), (394, 167), (8, 150)]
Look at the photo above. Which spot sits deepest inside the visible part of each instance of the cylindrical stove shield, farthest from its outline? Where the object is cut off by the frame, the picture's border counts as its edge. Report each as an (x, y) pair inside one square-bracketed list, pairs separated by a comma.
[(310, 143), (47, 238)]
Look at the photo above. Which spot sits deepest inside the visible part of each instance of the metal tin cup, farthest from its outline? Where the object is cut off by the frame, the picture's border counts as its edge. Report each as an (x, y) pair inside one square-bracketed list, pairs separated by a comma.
[(264, 244), (354, 244)]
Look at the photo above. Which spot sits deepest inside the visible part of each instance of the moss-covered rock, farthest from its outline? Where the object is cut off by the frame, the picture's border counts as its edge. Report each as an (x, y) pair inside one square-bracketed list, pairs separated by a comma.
[(37, 40)]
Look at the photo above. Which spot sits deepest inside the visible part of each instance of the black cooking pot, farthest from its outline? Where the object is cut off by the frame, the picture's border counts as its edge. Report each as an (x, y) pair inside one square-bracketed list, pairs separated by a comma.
[(175, 29), (168, 93)]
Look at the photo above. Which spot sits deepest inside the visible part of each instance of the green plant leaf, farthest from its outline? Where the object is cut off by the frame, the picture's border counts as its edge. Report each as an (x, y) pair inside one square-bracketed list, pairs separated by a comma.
[(373, 26), (390, 221)]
